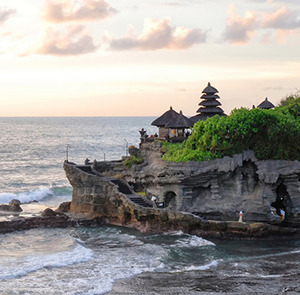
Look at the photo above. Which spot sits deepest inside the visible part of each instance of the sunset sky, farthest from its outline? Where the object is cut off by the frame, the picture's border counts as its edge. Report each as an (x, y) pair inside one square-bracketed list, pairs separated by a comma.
[(139, 57)]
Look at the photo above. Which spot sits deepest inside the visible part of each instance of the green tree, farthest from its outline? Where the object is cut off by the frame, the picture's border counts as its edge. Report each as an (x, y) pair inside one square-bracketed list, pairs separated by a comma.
[(271, 134)]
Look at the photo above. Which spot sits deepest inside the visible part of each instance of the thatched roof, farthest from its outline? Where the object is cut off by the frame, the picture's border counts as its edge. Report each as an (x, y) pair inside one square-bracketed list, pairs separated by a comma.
[(209, 103), (180, 121), (209, 89), (165, 118), (199, 117), (211, 110), (210, 96), (266, 105)]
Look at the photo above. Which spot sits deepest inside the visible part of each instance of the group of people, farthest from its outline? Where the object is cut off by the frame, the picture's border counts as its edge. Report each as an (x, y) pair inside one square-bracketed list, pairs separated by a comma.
[(282, 214)]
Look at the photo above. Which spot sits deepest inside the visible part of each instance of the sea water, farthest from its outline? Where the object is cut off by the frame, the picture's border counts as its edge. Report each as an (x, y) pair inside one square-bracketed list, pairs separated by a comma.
[(89, 260)]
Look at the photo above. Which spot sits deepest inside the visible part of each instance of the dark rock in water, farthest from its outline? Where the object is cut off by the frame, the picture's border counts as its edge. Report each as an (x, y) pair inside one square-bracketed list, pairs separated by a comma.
[(58, 221), (63, 207), (48, 212), (13, 206)]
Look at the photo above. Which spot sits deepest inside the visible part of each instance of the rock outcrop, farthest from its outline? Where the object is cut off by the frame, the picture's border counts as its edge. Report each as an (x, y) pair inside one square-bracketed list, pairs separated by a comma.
[(13, 206), (216, 189), (97, 195), (57, 221)]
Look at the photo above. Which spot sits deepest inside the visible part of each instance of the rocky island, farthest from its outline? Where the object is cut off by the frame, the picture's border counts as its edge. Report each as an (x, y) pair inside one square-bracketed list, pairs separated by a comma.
[(244, 166), (234, 176), (201, 198)]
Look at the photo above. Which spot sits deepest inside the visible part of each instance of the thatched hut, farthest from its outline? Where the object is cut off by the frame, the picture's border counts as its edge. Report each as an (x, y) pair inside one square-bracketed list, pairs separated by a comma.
[(161, 122), (178, 125), (266, 105)]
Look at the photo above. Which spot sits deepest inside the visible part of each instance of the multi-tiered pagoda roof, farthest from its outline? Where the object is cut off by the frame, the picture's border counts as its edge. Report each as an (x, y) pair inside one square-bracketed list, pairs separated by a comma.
[(209, 106)]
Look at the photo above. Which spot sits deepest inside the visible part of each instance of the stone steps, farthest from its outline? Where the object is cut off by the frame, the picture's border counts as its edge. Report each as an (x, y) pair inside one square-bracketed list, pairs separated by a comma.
[(139, 200), (127, 191)]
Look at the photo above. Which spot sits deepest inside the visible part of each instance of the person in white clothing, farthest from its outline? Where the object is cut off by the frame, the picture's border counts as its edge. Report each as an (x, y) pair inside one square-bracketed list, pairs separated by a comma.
[(241, 216), (153, 199)]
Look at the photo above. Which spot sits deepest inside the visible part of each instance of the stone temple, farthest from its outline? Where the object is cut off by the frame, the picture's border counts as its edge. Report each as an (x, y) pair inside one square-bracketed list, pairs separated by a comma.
[(209, 106), (174, 126)]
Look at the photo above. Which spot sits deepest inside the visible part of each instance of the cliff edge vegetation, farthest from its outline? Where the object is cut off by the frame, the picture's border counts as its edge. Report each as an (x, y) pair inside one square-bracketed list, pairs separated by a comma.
[(271, 134)]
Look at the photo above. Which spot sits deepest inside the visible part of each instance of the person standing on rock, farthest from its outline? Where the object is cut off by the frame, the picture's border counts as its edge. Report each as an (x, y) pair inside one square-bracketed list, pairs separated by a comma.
[(282, 213), (153, 199), (241, 216)]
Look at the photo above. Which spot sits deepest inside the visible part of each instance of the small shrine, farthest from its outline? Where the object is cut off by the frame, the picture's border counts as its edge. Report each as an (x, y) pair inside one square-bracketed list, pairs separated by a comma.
[(177, 127), (266, 104), (172, 125), (209, 106), (161, 122)]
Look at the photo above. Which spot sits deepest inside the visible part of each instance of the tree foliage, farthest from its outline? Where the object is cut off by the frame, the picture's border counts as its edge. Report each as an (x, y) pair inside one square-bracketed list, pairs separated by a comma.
[(271, 134)]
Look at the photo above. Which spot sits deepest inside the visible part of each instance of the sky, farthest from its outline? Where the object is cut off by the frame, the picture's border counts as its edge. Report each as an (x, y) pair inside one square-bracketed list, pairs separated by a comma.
[(138, 58)]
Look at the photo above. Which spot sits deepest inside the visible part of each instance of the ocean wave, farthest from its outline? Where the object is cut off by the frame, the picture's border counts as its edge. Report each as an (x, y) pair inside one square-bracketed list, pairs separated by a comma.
[(207, 266), (36, 195), (26, 197), (10, 270), (193, 241)]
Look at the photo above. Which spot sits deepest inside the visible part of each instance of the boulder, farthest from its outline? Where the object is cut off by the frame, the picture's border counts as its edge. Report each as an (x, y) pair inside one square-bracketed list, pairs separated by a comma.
[(48, 213), (13, 206), (63, 207)]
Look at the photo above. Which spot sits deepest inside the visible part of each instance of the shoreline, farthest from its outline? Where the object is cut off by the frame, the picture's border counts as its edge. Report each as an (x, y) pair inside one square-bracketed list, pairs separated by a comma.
[(222, 230), (35, 215)]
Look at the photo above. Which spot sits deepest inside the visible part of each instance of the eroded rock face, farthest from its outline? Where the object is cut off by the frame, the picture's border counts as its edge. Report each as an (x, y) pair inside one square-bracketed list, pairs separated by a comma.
[(217, 189), (96, 196)]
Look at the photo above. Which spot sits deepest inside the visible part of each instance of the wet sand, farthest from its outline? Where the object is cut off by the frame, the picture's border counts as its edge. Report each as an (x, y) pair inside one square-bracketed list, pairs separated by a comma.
[(205, 282)]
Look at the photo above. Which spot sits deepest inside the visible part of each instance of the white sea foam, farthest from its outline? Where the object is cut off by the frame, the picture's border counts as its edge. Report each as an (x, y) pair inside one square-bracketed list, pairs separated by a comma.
[(175, 233), (193, 241), (9, 269), (26, 197), (207, 266)]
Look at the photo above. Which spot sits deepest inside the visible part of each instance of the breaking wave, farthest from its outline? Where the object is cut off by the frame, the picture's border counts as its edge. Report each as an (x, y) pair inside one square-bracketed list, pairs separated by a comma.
[(36, 195), (28, 264)]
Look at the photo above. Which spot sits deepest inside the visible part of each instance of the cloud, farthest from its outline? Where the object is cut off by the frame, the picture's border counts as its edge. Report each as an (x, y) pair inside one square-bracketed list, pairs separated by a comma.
[(283, 19), (70, 10), (159, 34), (73, 40), (5, 14), (239, 29)]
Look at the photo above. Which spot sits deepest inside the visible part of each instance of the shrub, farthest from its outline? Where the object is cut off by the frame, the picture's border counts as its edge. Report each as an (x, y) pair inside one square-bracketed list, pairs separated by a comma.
[(271, 134), (133, 160)]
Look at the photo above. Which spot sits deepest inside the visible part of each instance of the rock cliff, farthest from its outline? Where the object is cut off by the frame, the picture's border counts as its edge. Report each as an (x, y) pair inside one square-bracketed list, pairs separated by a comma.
[(217, 189), (191, 192)]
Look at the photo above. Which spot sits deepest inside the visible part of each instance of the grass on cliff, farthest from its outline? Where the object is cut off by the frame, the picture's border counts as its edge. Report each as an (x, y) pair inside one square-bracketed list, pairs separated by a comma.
[(133, 160), (271, 134)]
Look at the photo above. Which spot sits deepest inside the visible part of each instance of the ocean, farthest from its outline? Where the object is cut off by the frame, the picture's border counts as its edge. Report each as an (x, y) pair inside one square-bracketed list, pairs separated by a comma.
[(84, 260)]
